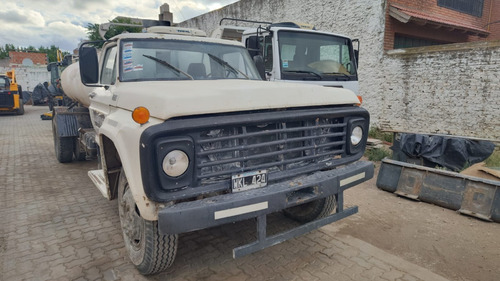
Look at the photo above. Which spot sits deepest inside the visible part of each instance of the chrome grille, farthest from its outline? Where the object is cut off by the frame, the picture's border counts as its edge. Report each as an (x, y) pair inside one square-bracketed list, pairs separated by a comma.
[(276, 146)]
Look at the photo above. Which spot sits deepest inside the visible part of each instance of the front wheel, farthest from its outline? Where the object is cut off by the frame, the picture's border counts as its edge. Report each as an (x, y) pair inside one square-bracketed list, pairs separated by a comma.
[(313, 210), (149, 250)]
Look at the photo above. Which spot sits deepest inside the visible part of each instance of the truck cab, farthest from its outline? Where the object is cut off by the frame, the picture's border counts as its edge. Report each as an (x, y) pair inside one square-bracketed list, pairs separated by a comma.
[(297, 52)]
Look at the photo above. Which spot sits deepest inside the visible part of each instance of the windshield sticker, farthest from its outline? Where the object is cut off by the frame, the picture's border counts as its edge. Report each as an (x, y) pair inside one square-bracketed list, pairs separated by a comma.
[(285, 63), (127, 57), (138, 67)]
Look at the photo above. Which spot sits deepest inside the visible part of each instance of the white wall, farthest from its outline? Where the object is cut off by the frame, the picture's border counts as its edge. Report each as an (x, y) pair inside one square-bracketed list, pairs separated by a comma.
[(29, 77)]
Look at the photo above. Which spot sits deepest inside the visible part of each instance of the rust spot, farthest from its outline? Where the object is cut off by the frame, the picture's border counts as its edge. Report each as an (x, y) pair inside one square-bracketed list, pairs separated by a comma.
[(147, 204)]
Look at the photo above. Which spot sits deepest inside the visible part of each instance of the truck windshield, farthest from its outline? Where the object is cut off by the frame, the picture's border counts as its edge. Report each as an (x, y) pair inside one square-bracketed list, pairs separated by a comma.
[(315, 56), (160, 59)]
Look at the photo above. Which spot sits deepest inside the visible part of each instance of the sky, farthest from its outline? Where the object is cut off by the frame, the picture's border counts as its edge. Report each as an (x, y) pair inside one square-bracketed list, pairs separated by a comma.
[(62, 23)]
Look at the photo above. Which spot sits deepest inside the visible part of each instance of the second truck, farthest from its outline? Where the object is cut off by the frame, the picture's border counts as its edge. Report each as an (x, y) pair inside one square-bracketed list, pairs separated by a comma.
[(187, 136)]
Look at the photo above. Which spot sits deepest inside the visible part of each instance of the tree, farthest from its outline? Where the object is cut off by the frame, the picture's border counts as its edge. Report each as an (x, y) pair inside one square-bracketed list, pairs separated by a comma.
[(93, 30), (51, 51)]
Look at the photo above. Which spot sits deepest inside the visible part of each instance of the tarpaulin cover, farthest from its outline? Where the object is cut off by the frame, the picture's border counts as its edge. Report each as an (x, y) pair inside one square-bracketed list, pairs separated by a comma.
[(39, 94), (452, 153)]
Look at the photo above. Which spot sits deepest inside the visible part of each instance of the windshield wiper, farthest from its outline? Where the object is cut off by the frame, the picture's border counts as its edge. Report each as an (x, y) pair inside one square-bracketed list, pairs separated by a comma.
[(225, 64), (306, 71), (175, 69), (338, 73)]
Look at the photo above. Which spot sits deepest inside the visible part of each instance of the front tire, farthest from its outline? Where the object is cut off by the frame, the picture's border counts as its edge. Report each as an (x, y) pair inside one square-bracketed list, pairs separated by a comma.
[(149, 250), (313, 210)]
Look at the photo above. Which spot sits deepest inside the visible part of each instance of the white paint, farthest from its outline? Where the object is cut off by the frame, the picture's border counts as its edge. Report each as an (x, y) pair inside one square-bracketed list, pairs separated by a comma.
[(352, 179), (240, 210)]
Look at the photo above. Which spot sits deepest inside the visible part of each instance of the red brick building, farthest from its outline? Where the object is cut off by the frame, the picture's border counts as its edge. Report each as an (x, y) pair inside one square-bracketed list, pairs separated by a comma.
[(26, 58), (412, 23)]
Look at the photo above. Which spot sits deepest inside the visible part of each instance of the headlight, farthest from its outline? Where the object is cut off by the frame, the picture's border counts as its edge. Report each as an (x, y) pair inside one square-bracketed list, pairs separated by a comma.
[(356, 135), (175, 163)]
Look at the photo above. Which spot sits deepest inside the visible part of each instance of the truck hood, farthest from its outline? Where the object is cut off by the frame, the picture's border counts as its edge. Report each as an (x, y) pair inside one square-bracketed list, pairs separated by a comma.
[(184, 98)]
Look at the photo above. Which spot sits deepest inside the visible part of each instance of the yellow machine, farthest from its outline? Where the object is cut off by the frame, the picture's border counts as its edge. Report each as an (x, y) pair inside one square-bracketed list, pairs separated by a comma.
[(11, 99)]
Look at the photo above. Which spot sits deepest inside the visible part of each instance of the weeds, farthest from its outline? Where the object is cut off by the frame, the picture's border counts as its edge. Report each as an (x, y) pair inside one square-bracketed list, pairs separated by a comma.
[(376, 133), (377, 154), (494, 159)]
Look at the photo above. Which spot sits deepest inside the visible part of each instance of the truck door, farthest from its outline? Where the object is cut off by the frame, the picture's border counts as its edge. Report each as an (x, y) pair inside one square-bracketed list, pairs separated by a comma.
[(103, 97)]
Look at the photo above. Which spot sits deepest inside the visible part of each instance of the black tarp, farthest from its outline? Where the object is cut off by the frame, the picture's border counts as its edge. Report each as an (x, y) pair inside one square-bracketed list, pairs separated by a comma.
[(40, 94), (454, 154)]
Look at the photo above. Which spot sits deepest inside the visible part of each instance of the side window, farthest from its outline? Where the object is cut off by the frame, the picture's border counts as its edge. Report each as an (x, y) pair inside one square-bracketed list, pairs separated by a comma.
[(108, 74)]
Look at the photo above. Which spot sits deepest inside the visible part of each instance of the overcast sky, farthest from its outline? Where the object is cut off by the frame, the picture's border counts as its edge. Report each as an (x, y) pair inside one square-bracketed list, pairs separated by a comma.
[(62, 22)]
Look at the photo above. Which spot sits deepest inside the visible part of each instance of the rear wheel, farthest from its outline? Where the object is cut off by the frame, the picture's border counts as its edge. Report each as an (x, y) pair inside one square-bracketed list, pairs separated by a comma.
[(313, 210), (149, 250), (63, 146)]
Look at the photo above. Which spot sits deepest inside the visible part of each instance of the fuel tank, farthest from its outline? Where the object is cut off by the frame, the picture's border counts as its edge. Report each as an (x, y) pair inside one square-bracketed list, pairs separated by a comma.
[(73, 87)]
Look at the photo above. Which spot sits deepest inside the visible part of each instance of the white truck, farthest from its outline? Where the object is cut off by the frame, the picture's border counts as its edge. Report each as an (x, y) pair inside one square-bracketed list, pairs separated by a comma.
[(297, 52), (188, 136)]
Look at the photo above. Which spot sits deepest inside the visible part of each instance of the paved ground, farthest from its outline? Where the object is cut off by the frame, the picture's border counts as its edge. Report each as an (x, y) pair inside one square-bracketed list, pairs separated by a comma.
[(55, 225)]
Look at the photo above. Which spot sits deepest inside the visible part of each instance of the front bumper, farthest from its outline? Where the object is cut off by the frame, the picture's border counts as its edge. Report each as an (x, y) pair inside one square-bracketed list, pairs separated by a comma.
[(218, 210)]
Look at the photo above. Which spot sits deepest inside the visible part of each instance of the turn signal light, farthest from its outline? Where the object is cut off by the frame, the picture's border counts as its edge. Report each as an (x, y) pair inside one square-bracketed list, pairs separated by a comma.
[(140, 115), (360, 98)]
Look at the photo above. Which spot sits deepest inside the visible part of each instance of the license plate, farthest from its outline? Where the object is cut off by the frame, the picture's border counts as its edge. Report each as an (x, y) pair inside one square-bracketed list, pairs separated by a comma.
[(249, 180)]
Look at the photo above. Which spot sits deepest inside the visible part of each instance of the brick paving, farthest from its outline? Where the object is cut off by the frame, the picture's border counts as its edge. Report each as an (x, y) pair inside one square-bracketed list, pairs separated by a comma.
[(55, 225)]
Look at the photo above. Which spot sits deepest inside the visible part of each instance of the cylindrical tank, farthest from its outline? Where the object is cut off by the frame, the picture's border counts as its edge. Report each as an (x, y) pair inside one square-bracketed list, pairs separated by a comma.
[(73, 87)]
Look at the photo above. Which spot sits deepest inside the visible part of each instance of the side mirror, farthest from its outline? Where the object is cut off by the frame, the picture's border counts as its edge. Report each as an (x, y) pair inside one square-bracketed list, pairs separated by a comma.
[(89, 66), (259, 63), (356, 50), (252, 45)]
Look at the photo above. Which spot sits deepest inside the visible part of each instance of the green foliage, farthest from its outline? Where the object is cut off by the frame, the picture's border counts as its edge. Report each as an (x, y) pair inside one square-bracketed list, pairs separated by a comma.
[(376, 133), (93, 30), (377, 154), (494, 159), (50, 51)]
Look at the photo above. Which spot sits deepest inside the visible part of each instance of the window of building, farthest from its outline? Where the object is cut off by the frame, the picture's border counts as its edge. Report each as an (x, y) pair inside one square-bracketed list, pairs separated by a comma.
[(401, 41), (471, 7)]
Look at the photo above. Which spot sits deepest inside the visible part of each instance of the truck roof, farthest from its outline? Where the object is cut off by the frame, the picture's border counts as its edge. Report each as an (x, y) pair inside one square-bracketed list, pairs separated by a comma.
[(175, 37), (277, 28)]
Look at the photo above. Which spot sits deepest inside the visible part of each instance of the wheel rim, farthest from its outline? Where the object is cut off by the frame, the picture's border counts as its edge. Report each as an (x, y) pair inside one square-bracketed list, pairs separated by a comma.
[(132, 223)]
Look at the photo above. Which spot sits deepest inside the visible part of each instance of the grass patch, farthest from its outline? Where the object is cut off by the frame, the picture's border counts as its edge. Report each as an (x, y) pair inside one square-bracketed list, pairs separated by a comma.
[(494, 159), (376, 133), (377, 154)]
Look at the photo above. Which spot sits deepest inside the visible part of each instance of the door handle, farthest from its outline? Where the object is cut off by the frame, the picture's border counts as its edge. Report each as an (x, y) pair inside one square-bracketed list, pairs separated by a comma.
[(92, 95)]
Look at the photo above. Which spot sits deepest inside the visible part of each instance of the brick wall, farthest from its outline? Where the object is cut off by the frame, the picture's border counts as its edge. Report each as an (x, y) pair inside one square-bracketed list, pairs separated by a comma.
[(494, 16), (491, 12), (447, 89), (16, 58)]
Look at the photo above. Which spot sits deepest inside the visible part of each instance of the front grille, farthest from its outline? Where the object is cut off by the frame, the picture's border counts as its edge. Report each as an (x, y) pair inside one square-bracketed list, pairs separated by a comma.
[(6, 100), (275, 146)]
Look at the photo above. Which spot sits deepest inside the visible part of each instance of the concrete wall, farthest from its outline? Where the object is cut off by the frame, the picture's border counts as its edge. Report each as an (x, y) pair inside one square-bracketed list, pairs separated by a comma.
[(29, 77), (452, 89)]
